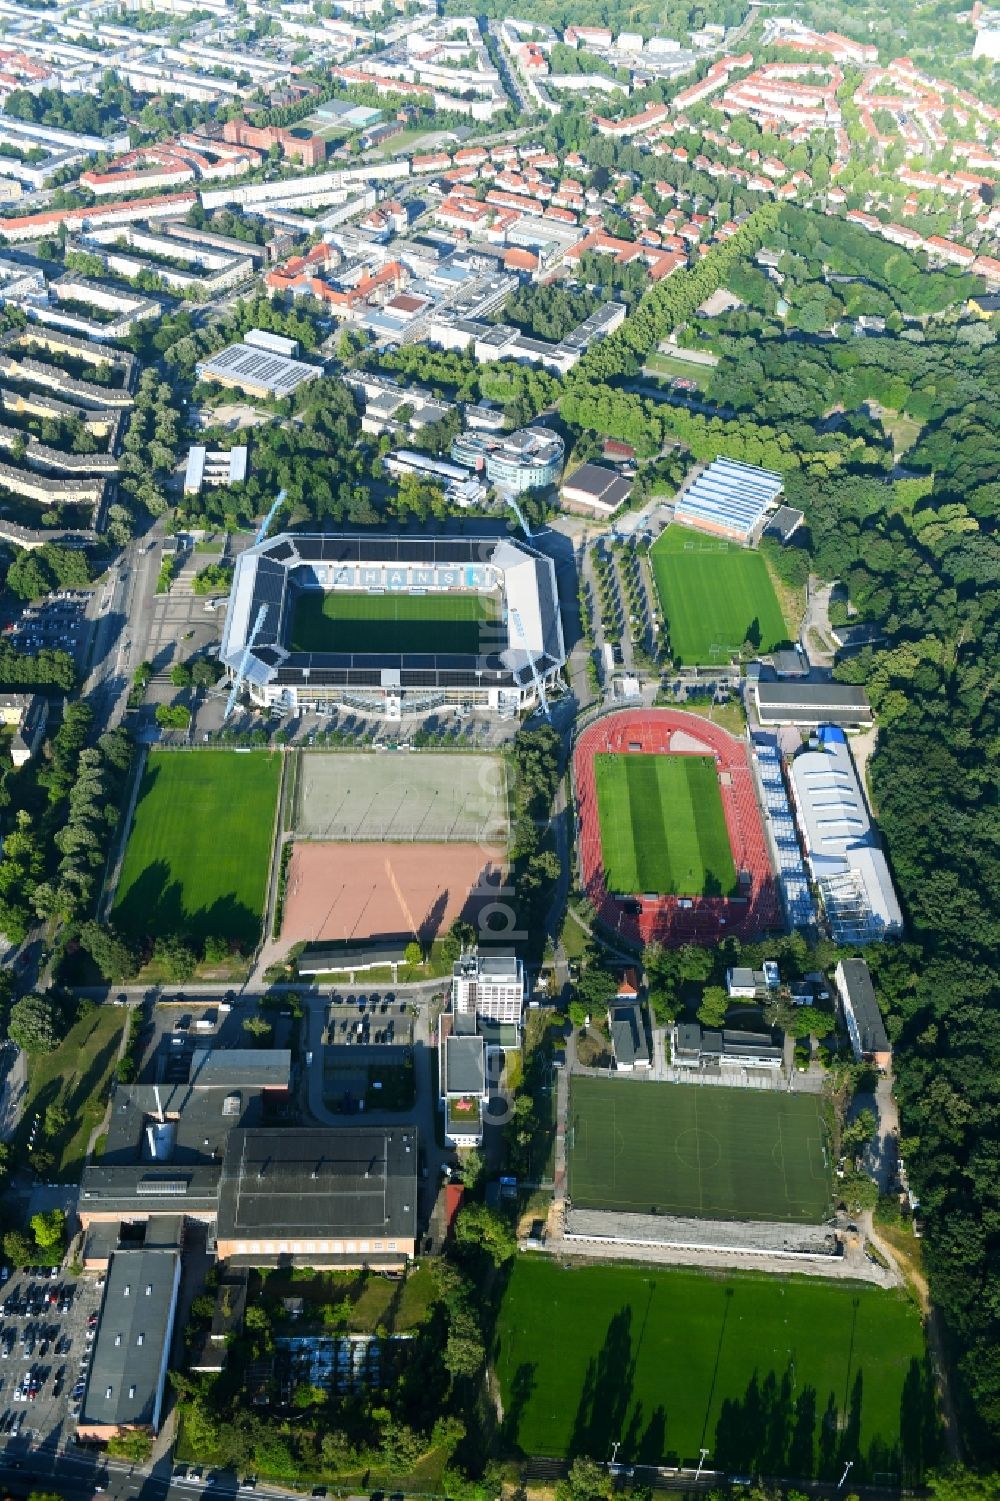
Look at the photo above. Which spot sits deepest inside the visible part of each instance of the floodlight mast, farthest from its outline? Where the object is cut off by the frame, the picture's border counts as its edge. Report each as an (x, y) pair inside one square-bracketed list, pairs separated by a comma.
[(265, 525), (512, 502), (515, 616)]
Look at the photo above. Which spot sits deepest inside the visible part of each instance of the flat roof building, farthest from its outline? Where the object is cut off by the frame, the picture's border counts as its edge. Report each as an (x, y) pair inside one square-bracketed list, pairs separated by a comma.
[(488, 983), (257, 372), (214, 468), (329, 1196), (812, 704), (462, 1078), (861, 1012), (132, 1347)]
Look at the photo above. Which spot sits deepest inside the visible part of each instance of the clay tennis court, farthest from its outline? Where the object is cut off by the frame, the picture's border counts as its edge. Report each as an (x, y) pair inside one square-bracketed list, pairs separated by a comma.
[(356, 891)]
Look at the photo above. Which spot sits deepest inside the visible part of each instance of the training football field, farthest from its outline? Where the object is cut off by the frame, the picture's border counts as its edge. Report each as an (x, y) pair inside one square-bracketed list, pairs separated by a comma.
[(714, 596), (707, 1151), (199, 850), (663, 828), (344, 621), (790, 1376)]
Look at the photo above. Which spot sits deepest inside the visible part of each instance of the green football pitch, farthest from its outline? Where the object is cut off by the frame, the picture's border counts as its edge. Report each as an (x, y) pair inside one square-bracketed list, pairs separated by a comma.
[(199, 850), (350, 622), (714, 596), (663, 828), (688, 1149), (771, 1375)]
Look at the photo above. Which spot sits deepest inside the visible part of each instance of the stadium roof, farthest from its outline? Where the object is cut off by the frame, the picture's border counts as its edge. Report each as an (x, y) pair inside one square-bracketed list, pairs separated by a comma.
[(269, 576), (730, 496), (313, 1182), (839, 837)]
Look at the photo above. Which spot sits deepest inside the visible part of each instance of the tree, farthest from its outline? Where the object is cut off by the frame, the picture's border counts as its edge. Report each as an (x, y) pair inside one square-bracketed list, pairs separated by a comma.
[(413, 953), (173, 716), (473, 1166), (858, 1192), (114, 955), (306, 1396), (19, 1248), (579, 1011), (50, 1231), (135, 1445), (258, 1027), (858, 1133), (176, 957), (143, 673), (480, 1228), (205, 672), (714, 1006), (56, 1118), (35, 1024), (180, 675), (587, 1481)]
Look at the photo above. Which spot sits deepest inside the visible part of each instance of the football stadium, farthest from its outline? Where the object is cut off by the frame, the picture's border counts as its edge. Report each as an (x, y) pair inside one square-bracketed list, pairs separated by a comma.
[(671, 842), (390, 625)]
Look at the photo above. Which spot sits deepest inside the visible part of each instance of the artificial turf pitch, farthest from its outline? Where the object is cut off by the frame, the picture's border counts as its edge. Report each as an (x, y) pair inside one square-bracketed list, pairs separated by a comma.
[(715, 596), (663, 828), (788, 1376), (712, 1153), (199, 850), (433, 623)]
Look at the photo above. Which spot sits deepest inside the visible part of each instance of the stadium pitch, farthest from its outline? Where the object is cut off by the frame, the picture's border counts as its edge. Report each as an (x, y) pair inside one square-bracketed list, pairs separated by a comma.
[(663, 828), (770, 1375), (199, 850), (707, 1152), (406, 623), (714, 596)]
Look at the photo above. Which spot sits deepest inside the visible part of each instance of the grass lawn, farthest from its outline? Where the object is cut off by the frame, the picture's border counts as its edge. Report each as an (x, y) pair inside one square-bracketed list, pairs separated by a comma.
[(903, 430), (714, 596), (682, 1149), (199, 850), (773, 1376), (76, 1077), (669, 366), (663, 829), (349, 622), (374, 1301)]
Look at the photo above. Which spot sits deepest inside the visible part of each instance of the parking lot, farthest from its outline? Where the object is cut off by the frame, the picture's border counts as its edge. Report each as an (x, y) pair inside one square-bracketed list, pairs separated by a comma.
[(368, 1021), (57, 623), (47, 1328)]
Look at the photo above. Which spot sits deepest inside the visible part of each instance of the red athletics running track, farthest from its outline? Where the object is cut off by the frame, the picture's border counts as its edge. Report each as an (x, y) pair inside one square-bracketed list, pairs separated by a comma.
[(662, 919)]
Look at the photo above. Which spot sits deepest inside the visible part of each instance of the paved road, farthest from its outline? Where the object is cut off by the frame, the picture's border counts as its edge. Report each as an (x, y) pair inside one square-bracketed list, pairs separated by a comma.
[(77, 1474)]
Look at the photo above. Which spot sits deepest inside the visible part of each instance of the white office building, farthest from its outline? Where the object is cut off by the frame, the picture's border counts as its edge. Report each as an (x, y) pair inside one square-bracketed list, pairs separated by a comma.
[(490, 985)]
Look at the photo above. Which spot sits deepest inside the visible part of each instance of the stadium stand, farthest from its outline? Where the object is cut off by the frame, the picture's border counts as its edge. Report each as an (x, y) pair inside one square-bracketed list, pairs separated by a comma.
[(730, 500), (793, 882)]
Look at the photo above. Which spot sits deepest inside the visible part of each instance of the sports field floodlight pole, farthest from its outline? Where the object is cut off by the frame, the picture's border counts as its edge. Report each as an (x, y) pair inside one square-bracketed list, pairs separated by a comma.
[(265, 525), (843, 1477), (701, 1465)]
